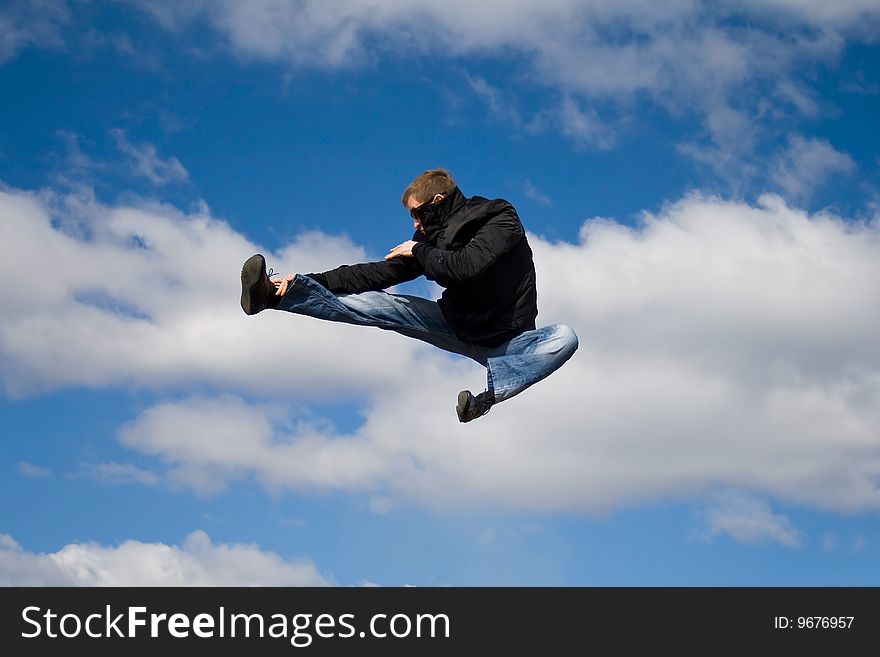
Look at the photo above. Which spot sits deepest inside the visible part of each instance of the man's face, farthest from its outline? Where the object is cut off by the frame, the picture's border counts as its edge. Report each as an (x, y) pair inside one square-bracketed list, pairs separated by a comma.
[(412, 203)]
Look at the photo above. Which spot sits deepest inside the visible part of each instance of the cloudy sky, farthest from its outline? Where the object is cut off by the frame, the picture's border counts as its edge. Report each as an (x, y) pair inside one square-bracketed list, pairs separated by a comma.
[(700, 186)]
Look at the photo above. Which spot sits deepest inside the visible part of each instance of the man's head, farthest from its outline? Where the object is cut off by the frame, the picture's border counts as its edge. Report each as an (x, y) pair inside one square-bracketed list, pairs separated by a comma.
[(429, 187)]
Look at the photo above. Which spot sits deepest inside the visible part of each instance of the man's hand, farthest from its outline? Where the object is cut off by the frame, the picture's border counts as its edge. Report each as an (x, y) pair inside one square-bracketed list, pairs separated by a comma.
[(282, 284), (402, 250)]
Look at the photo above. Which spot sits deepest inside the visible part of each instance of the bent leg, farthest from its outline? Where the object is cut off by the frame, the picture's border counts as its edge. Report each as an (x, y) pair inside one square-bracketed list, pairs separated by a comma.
[(528, 358), (408, 315)]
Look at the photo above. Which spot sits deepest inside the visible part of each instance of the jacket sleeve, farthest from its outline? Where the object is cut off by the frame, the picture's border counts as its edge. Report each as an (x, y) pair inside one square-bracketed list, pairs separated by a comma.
[(368, 276), (498, 236)]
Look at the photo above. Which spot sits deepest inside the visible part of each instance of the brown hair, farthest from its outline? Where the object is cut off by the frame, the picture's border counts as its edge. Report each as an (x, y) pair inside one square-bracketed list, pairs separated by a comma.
[(428, 184)]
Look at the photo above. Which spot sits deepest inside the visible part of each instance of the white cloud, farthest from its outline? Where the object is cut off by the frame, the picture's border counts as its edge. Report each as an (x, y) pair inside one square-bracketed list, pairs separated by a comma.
[(737, 66), (118, 473), (76, 161), (503, 107), (487, 536), (121, 46), (34, 471), (852, 13), (535, 194), (142, 293), (314, 33), (741, 336), (806, 164), (57, 24), (727, 62), (213, 441), (31, 23), (857, 83), (798, 96), (197, 562), (8, 543), (146, 162), (584, 126), (721, 60), (722, 345), (747, 520)]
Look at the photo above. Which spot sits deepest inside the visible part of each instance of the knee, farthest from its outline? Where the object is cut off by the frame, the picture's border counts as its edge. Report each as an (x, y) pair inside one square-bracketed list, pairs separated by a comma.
[(561, 340), (568, 339)]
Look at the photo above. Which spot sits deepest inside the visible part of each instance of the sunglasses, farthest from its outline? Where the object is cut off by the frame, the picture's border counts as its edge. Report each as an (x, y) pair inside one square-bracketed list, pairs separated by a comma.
[(418, 212)]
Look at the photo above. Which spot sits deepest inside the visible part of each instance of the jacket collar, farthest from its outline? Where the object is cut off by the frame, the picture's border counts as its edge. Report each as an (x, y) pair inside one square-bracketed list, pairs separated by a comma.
[(436, 216)]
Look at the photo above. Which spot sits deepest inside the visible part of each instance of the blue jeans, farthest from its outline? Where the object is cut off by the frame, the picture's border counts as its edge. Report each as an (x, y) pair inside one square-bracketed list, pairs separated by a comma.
[(512, 366)]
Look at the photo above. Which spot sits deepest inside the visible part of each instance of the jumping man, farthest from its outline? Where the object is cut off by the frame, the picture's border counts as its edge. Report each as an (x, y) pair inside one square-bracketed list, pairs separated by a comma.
[(476, 249)]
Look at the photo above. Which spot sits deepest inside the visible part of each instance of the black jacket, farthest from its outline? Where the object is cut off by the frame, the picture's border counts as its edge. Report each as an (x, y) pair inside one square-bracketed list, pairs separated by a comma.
[(474, 247)]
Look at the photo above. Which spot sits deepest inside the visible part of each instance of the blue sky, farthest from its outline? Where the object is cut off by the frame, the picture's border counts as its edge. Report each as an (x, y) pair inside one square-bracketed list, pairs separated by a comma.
[(699, 182)]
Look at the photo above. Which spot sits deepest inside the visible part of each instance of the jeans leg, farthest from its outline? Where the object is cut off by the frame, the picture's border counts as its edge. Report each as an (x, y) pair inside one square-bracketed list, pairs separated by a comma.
[(408, 315), (528, 358)]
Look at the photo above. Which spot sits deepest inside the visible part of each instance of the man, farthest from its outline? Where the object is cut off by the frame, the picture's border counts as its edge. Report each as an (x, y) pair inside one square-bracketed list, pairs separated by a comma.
[(473, 247)]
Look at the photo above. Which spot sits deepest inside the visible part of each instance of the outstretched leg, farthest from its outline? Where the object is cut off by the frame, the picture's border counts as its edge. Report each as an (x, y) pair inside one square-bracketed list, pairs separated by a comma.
[(408, 315)]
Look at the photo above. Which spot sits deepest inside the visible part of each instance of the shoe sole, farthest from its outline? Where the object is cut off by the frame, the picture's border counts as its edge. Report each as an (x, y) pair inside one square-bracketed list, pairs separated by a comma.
[(251, 272), (460, 409)]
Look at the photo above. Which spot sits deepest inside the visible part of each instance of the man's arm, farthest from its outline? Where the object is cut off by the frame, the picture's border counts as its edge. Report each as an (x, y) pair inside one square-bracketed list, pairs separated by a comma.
[(348, 279), (369, 276), (498, 236)]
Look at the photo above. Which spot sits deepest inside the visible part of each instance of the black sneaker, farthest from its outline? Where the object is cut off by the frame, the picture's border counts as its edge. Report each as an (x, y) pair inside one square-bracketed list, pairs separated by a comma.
[(470, 407), (257, 289)]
